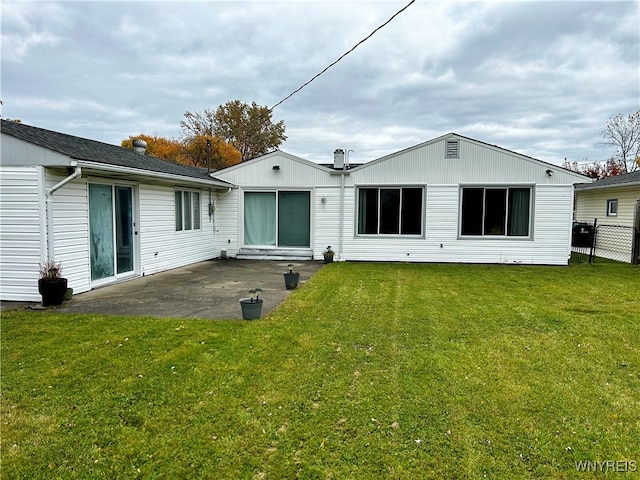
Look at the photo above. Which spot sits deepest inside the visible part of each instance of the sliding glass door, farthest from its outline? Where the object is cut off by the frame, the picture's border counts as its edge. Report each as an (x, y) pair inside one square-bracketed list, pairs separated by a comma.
[(259, 218), (111, 230), (277, 219)]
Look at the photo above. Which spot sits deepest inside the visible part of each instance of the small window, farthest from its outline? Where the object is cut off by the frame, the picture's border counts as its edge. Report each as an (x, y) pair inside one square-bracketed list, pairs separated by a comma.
[(452, 148), (612, 207), (187, 208)]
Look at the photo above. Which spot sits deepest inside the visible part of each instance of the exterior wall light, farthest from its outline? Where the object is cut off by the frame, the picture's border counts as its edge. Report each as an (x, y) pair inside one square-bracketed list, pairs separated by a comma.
[(275, 167)]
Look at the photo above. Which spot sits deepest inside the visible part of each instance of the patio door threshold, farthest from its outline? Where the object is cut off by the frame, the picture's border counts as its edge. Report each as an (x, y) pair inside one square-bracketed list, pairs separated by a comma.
[(275, 254)]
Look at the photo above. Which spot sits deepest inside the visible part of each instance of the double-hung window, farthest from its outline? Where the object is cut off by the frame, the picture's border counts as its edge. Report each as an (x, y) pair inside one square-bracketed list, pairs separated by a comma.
[(496, 211), (390, 210), (187, 207)]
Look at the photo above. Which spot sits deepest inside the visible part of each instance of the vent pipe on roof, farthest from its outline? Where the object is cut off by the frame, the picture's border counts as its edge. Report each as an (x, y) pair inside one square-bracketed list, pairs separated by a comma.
[(338, 159), (139, 146)]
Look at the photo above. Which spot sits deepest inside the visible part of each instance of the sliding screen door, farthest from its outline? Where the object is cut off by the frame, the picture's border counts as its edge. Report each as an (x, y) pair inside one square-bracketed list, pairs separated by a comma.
[(279, 219), (260, 218)]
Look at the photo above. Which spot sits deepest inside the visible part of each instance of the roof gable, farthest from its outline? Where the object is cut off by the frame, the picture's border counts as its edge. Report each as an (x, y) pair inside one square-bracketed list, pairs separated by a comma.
[(268, 157), (443, 138)]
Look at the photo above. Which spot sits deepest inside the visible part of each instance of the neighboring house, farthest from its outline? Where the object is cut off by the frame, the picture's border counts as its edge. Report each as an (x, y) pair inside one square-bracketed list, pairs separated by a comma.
[(105, 212), (615, 203), (451, 199)]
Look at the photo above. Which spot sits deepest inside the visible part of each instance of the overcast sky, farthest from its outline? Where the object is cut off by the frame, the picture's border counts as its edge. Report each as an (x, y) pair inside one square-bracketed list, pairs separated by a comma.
[(540, 78)]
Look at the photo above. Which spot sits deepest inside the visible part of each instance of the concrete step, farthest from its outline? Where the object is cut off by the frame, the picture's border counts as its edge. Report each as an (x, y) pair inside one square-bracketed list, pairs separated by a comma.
[(275, 254)]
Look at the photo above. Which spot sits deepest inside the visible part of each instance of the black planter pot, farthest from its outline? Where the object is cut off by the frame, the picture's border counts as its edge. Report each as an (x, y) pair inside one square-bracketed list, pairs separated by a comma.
[(251, 308), (291, 280), (328, 259), (52, 290)]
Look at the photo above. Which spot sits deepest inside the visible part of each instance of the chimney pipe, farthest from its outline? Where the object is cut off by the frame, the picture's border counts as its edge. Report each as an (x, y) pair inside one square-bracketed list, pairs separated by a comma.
[(338, 159)]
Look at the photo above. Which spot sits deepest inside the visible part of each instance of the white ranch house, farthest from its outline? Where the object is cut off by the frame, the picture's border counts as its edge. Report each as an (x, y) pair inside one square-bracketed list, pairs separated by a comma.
[(451, 199), (109, 214)]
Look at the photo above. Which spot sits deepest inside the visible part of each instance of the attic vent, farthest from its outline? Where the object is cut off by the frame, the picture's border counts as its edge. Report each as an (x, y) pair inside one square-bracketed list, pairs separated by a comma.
[(452, 148), (139, 146)]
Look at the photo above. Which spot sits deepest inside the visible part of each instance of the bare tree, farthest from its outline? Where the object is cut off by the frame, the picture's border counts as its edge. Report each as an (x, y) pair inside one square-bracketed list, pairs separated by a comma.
[(624, 135)]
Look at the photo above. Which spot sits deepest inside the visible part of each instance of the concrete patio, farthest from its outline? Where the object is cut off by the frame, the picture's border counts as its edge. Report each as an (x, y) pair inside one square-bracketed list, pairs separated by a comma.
[(210, 289)]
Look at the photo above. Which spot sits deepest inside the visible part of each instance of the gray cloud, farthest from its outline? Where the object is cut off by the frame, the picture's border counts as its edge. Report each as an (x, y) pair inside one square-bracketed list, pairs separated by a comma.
[(539, 77)]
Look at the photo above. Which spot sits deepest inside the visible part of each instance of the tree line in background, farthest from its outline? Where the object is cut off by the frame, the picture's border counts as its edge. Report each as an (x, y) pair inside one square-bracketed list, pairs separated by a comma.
[(233, 133), (623, 134)]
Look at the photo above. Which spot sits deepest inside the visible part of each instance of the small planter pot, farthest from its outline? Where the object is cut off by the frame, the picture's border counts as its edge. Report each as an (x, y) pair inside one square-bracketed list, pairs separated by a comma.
[(291, 280), (52, 290), (328, 259), (251, 308)]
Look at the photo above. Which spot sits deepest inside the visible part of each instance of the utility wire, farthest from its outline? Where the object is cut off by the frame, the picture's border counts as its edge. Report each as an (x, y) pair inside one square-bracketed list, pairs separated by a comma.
[(344, 54)]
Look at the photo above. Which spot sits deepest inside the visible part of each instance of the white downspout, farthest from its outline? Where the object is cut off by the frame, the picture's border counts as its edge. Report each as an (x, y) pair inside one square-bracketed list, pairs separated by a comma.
[(48, 195), (341, 229), (345, 168)]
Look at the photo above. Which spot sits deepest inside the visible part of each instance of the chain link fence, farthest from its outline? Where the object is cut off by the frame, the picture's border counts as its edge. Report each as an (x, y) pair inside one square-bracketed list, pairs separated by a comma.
[(591, 241)]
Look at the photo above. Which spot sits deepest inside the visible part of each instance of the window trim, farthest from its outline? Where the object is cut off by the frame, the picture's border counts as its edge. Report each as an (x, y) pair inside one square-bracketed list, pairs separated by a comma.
[(610, 203), (379, 188), (191, 218), (505, 235)]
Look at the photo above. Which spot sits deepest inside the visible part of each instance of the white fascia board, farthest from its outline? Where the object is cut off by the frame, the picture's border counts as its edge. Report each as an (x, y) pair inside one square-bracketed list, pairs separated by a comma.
[(158, 175), (591, 187)]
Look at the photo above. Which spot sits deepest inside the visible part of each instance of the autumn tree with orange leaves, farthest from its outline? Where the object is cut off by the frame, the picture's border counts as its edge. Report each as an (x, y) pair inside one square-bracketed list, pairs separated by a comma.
[(190, 151), (159, 147), (211, 152)]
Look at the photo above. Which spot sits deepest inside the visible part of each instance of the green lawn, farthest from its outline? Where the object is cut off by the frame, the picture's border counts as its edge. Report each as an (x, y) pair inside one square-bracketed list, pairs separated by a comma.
[(368, 371)]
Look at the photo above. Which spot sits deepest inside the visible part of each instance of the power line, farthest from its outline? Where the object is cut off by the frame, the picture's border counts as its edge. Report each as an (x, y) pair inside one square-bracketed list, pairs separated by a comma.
[(344, 54)]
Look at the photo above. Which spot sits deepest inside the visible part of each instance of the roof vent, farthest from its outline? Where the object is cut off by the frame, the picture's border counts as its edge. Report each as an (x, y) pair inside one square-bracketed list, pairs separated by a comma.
[(139, 146), (338, 159)]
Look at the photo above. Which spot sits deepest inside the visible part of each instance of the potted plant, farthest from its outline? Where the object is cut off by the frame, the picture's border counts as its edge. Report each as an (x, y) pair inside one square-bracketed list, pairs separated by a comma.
[(51, 285), (328, 255), (252, 307), (291, 278)]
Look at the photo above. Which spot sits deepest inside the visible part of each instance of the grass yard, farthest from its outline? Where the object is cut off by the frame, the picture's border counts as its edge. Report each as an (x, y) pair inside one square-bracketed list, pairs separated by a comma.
[(368, 371)]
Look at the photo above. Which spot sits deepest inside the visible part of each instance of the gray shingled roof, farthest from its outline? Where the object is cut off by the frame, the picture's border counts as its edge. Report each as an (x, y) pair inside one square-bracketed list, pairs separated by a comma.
[(627, 179), (93, 151)]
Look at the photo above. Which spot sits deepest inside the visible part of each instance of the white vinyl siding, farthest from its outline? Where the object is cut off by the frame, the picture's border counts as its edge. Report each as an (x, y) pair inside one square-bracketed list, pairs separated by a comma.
[(161, 246), (70, 210), (227, 222), (549, 245), (21, 232)]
